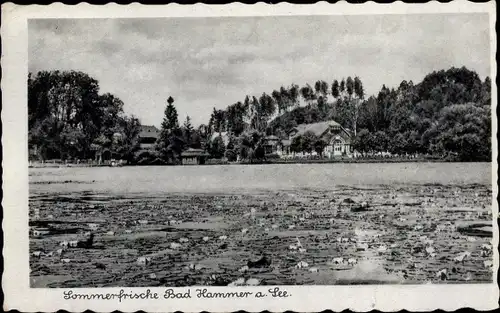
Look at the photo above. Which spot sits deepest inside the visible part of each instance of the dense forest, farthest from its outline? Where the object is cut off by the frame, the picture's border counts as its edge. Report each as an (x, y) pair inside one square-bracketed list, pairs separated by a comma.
[(447, 115), (68, 118)]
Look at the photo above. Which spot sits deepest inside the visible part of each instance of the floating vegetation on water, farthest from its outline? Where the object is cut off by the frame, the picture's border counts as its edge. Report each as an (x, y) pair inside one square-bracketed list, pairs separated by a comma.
[(294, 237)]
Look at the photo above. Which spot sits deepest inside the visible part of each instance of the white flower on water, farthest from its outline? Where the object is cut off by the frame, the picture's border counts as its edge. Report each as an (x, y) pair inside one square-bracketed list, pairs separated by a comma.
[(430, 250), (486, 247), (468, 276), (362, 246), (183, 240), (338, 261), (244, 230), (302, 264), (238, 282), (37, 254), (252, 282), (222, 237), (382, 249), (175, 245), (442, 274), (243, 269), (206, 238), (463, 256), (143, 260)]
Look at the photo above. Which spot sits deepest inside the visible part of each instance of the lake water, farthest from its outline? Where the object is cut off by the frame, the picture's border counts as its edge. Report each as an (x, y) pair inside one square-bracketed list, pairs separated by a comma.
[(234, 178), (402, 214)]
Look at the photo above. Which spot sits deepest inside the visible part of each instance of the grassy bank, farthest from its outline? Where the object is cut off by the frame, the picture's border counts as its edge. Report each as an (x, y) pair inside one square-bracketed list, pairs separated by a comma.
[(361, 160), (269, 161)]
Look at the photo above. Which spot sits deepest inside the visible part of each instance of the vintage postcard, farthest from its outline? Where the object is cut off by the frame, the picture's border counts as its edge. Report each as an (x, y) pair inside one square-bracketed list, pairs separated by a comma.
[(250, 157)]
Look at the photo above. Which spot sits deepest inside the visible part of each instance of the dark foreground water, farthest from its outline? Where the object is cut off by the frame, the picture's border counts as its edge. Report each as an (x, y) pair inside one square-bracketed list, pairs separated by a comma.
[(317, 224)]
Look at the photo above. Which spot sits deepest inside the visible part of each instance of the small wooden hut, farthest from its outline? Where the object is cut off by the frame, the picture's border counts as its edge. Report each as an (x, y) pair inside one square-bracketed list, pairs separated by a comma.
[(194, 156)]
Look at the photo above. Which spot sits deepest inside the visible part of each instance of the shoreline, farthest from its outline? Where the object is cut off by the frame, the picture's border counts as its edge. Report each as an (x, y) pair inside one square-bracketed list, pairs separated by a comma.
[(281, 161)]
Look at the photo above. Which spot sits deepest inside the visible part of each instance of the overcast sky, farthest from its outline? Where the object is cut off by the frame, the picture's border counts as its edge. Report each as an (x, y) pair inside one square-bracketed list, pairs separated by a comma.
[(207, 62)]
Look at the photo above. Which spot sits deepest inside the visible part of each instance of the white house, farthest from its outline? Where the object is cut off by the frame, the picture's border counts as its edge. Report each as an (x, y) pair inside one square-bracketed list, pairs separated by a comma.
[(337, 137)]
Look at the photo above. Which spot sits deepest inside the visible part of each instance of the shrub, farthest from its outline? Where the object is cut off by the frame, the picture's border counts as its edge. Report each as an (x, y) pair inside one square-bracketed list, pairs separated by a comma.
[(272, 156), (231, 155), (146, 157)]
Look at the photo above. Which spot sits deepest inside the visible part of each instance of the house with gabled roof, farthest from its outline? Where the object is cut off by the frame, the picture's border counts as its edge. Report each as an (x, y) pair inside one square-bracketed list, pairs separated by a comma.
[(338, 138), (148, 135), (193, 156)]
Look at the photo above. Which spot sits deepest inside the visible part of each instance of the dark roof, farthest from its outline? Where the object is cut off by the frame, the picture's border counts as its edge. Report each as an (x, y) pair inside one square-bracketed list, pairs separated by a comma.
[(272, 137), (191, 152), (317, 128), (149, 131)]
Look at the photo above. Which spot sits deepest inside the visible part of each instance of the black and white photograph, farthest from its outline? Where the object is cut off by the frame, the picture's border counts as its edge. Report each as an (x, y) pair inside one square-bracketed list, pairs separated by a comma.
[(225, 151), (266, 150)]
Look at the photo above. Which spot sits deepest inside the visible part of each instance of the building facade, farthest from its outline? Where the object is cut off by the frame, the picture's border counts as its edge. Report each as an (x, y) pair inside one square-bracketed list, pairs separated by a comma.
[(194, 156), (147, 137), (271, 145), (338, 139)]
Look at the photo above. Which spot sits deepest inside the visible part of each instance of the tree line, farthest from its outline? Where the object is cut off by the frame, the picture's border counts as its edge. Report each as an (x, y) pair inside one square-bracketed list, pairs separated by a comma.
[(69, 119), (446, 115)]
